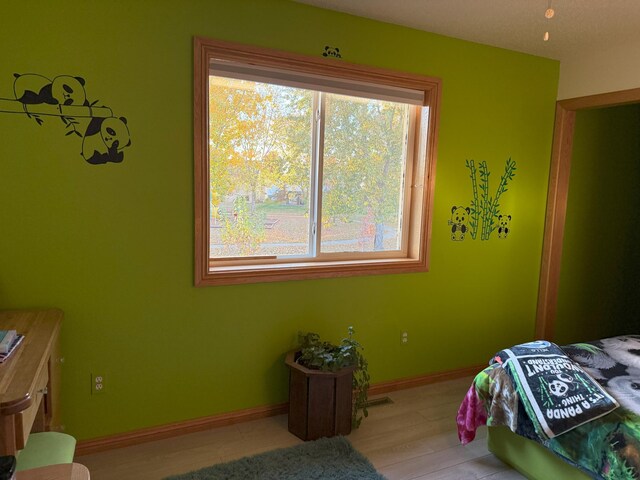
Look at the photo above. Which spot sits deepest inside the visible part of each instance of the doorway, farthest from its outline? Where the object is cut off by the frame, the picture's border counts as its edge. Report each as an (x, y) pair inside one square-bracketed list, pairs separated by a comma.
[(563, 144)]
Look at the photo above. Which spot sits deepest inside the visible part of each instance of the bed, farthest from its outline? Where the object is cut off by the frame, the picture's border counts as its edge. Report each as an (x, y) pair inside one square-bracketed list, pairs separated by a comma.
[(604, 446)]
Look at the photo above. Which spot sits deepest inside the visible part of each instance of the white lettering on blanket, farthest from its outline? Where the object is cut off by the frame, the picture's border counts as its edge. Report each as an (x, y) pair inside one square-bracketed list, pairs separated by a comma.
[(551, 365), (570, 412)]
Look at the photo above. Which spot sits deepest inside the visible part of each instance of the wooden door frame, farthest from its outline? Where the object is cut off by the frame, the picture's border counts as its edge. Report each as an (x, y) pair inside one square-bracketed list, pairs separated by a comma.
[(557, 199)]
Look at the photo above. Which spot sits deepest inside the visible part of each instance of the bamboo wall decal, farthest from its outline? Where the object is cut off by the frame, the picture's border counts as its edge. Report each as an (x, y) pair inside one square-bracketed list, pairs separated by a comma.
[(486, 200), (509, 173), (475, 207), (485, 210)]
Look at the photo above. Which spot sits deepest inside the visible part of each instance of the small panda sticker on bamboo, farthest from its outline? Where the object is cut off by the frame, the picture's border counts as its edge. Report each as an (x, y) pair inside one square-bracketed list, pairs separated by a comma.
[(504, 225), (458, 222)]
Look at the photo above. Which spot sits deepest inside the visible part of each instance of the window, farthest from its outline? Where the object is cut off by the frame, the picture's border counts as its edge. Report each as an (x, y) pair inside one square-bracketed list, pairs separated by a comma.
[(308, 167)]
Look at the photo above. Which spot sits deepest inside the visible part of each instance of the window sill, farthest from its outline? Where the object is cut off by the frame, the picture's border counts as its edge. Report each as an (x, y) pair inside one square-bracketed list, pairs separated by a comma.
[(233, 275)]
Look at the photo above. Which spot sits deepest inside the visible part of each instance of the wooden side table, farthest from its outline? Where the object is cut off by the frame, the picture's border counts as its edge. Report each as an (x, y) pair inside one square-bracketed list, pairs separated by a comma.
[(64, 471), (30, 378)]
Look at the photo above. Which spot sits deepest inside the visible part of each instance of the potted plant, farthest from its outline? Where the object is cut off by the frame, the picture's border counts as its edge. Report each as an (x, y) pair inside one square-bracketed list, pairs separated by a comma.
[(328, 387)]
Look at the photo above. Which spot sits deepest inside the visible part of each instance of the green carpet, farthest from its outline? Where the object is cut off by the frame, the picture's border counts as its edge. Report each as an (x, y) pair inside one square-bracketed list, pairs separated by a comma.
[(326, 459)]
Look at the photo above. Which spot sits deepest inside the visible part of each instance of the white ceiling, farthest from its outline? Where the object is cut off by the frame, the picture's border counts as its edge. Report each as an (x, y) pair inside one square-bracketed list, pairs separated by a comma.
[(578, 25)]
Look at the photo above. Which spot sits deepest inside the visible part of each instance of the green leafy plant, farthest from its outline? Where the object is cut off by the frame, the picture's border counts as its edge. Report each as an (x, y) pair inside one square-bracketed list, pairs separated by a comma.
[(317, 354)]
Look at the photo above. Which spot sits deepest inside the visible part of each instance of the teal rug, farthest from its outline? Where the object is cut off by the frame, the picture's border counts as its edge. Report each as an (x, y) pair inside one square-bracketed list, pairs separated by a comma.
[(324, 459)]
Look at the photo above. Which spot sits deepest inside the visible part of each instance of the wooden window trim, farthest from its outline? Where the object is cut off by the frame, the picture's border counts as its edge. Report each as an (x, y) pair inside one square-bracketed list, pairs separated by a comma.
[(418, 225)]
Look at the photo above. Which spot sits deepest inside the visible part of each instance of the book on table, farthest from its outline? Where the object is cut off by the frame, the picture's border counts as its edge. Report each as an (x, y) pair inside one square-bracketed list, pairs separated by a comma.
[(6, 339), (16, 341)]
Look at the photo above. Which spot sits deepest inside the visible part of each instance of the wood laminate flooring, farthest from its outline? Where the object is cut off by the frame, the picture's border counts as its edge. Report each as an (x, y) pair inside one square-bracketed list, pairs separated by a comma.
[(413, 438)]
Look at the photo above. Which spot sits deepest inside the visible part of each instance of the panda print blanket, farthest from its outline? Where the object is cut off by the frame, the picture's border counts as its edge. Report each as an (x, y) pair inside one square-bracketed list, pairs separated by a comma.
[(557, 394), (615, 364), (607, 447)]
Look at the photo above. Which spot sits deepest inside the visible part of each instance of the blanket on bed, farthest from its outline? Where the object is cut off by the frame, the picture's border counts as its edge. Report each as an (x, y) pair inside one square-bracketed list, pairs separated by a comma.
[(557, 394), (605, 448), (615, 364)]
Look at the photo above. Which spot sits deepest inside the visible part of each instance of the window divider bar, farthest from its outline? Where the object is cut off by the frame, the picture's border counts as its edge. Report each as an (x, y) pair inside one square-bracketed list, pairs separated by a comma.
[(313, 195), (319, 172), (412, 130)]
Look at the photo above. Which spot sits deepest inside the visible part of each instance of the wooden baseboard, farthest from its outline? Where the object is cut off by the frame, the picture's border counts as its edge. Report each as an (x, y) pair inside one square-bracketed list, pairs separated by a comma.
[(418, 381), (86, 447)]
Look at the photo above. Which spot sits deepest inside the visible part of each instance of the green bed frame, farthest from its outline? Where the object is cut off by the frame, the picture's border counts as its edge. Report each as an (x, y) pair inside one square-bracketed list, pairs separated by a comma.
[(530, 458)]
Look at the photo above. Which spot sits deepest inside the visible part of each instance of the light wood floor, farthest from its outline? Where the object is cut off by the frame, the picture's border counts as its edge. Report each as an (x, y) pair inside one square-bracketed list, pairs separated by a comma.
[(414, 438)]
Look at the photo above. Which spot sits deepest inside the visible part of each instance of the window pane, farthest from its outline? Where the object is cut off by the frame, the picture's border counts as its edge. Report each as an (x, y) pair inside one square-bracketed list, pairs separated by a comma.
[(260, 164), (362, 185)]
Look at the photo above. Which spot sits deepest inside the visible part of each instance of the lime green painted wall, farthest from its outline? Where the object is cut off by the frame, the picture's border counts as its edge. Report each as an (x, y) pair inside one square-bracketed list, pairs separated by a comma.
[(112, 245), (599, 281)]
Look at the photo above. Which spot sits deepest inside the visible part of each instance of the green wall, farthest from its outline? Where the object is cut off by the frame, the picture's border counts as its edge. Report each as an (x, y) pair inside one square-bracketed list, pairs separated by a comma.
[(112, 245), (599, 282)]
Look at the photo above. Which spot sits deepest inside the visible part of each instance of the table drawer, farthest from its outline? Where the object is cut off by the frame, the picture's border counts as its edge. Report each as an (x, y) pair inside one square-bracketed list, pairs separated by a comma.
[(25, 419)]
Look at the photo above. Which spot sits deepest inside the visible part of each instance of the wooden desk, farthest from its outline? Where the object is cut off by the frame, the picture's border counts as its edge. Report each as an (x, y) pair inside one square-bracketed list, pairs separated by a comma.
[(30, 377), (64, 471)]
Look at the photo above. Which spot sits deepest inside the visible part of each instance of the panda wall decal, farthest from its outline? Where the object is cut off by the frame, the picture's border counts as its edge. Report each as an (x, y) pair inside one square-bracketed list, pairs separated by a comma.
[(104, 136), (331, 52), (458, 222), (483, 215), (504, 225)]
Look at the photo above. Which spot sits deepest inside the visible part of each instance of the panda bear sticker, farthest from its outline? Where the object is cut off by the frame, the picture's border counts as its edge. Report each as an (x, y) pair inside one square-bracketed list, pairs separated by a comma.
[(104, 140), (331, 52), (458, 222), (104, 136)]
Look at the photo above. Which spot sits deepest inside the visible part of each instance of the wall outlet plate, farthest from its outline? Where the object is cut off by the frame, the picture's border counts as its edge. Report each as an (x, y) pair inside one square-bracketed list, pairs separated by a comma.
[(97, 383)]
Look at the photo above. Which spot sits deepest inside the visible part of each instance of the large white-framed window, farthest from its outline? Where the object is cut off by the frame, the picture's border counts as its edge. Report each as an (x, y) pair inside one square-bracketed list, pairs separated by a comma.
[(309, 167)]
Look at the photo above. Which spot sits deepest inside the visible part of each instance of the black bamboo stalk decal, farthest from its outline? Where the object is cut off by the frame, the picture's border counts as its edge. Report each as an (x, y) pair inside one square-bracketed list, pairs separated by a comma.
[(63, 111), (475, 206)]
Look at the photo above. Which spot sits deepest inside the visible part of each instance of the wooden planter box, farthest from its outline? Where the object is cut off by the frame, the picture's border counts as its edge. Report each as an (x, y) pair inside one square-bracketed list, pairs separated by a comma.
[(320, 403)]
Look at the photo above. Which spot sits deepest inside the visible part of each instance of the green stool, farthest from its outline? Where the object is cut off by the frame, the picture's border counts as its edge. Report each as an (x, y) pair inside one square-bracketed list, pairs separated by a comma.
[(46, 448)]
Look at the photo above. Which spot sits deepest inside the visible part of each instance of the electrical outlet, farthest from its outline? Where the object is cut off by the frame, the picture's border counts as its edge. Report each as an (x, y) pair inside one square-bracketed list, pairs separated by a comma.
[(405, 338), (97, 383)]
